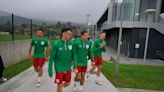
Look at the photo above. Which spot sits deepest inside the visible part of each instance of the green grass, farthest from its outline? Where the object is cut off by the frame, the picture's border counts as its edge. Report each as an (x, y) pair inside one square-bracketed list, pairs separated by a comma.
[(8, 37), (13, 70), (135, 76)]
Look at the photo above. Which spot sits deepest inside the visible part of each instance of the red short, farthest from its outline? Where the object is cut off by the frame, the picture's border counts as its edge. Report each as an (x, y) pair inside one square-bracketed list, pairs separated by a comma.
[(63, 77), (81, 69), (38, 62), (98, 60)]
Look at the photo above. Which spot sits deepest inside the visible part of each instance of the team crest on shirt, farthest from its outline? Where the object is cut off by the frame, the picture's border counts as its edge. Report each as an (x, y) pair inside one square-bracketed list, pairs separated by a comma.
[(87, 46), (79, 46), (60, 48), (42, 43), (70, 47)]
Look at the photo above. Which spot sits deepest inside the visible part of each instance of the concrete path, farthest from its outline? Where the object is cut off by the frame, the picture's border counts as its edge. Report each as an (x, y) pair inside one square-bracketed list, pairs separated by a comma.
[(26, 82)]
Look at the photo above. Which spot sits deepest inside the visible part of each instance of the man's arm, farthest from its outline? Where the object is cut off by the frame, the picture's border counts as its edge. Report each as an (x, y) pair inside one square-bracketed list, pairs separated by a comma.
[(30, 50), (90, 52), (51, 60), (47, 50), (104, 48), (96, 46), (74, 55)]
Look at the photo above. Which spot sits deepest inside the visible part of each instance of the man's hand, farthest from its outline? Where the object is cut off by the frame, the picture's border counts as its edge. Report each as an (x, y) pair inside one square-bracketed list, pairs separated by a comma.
[(46, 59), (50, 74), (75, 70), (30, 58), (93, 63), (102, 45)]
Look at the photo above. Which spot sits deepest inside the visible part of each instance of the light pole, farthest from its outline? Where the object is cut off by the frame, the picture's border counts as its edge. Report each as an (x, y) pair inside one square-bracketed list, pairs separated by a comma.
[(88, 24), (149, 12), (119, 39)]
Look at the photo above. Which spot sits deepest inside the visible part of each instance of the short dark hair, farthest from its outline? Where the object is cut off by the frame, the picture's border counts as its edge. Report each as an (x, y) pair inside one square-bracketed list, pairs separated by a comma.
[(102, 32), (57, 34), (40, 29), (83, 32), (65, 29)]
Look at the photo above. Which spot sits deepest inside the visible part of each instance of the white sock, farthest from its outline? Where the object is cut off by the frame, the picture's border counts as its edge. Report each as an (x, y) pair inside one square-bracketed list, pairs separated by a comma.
[(39, 79), (81, 87), (97, 78)]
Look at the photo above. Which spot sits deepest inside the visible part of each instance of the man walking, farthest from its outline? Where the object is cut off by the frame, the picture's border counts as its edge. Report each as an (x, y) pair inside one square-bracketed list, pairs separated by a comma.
[(40, 46), (98, 48), (62, 56), (82, 48)]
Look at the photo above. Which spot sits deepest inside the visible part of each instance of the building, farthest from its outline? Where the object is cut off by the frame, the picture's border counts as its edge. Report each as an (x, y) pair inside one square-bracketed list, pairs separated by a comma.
[(134, 19)]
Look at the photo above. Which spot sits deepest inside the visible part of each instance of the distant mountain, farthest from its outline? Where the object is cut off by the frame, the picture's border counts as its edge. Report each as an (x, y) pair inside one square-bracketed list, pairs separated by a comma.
[(6, 17)]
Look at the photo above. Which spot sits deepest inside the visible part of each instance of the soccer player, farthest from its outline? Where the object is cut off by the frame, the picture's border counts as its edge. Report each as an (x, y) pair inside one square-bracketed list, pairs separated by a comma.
[(62, 56), (57, 37), (40, 46), (98, 48), (82, 48)]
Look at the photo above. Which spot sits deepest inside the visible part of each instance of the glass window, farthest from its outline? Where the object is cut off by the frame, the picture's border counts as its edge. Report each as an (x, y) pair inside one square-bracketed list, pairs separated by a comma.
[(144, 5)]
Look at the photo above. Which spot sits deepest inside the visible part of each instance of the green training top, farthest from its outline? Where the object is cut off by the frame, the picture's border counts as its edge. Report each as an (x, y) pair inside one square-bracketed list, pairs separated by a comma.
[(97, 50), (62, 56), (39, 47), (82, 50)]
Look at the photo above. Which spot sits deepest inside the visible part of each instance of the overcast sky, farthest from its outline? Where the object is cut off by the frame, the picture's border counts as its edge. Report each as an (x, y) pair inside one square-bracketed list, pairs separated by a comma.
[(56, 10)]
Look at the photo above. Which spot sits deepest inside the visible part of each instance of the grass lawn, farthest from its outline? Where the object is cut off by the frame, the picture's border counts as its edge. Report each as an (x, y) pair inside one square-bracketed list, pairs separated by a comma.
[(9, 37), (13, 70), (135, 76)]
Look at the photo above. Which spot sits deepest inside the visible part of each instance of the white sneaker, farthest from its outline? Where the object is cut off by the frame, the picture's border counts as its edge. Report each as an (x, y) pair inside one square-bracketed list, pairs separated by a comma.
[(74, 87), (99, 82), (3, 79), (81, 88), (38, 84)]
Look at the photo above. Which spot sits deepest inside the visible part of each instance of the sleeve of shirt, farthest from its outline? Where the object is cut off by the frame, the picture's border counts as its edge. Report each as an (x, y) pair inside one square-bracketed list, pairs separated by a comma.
[(32, 42), (52, 57), (104, 48), (46, 43), (74, 56), (90, 51), (96, 46)]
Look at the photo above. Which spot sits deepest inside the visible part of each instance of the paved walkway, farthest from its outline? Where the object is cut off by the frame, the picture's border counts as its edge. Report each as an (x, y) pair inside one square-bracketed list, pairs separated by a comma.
[(125, 60), (26, 82)]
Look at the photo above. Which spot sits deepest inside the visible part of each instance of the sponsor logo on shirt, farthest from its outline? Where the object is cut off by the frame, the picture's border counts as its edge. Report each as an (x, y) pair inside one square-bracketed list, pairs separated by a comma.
[(42, 43)]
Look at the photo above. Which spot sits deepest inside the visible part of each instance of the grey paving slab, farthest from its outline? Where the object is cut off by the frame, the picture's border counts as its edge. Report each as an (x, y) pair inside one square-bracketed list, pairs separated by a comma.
[(26, 82)]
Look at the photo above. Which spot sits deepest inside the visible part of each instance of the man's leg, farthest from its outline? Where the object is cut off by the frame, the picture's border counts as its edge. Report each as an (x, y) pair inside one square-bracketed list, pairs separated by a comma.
[(94, 66), (67, 78), (59, 88), (1, 69), (99, 70), (36, 65), (82, 81), (76, 80), (99, 66), (59, 81), (92, 69), (40, 70)]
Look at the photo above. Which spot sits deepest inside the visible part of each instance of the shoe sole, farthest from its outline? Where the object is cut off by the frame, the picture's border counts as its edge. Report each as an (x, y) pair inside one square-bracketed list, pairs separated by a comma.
[(99, 83)]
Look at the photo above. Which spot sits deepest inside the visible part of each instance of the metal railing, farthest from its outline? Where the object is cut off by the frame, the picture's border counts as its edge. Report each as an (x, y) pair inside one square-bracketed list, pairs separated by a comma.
[(160, 54)]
